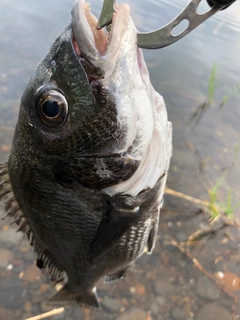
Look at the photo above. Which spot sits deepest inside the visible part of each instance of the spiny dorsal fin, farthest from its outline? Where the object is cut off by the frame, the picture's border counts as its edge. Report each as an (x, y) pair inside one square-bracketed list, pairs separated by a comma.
[(7, 198), (9, 202)]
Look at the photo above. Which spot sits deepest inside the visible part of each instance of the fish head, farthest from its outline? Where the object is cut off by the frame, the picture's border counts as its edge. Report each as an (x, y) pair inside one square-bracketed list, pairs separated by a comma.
[(90, 105)]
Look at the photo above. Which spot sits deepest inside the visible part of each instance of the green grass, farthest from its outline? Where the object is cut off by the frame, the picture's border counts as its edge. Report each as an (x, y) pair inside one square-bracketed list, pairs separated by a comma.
[(226, 207), (213, 84)]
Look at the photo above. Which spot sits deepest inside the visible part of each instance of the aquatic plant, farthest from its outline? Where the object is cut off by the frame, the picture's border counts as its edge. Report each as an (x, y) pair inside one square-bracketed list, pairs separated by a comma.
[(226, 207), (213, 84)]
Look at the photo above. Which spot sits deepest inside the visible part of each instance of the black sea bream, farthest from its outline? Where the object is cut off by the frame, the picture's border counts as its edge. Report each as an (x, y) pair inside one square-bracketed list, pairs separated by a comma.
[(90, 156)]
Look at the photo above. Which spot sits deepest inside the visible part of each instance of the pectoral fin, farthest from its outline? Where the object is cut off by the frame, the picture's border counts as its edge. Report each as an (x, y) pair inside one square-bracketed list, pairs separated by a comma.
[(111, 229)]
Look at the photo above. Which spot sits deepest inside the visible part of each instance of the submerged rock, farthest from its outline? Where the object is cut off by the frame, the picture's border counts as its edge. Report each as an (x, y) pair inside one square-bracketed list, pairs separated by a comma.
[(6, 314), (207, 289), (213, 311), (133, 314), (10, 236), (11, 293), (163, 287), (111, 305), (6, 257), (178, 313)]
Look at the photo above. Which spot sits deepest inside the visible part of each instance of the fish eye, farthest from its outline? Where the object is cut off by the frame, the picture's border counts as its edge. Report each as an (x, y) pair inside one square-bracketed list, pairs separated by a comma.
[(52, 108)]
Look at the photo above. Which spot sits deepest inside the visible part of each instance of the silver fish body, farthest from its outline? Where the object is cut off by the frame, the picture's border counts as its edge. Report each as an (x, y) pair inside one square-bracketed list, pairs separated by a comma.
[(90, 156)]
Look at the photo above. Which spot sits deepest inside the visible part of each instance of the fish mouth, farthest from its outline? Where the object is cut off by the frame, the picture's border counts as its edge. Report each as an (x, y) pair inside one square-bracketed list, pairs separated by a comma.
[(85, 26), (94, 47)]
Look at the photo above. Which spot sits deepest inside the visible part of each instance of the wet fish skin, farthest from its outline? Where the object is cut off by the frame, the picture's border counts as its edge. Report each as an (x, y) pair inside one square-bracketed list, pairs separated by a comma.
[(59, 184)]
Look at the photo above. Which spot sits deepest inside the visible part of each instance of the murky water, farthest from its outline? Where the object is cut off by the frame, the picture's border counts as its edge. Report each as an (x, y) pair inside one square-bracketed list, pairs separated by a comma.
[(204, 154)]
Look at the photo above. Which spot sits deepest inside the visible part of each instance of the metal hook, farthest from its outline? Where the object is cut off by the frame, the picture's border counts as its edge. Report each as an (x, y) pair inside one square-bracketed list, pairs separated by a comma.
[(106, 15), (162, 37)]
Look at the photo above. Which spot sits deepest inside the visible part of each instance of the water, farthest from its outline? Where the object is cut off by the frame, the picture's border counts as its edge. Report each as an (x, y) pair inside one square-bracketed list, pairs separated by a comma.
[(165, 283)]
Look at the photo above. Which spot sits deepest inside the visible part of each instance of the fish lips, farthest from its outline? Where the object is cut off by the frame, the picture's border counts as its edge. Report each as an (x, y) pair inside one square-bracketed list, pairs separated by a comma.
[(100, 50)]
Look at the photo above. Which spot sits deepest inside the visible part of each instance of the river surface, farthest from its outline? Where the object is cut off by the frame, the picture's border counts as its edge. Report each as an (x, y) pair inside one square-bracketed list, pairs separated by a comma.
[(167, 284)]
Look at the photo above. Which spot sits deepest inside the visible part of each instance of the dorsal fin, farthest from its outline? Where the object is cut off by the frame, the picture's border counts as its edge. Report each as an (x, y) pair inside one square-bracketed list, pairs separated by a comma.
[(9, 202), (7, 198)]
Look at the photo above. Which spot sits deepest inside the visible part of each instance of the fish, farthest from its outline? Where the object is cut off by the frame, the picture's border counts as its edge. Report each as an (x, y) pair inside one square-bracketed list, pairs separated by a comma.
[(90, 156)]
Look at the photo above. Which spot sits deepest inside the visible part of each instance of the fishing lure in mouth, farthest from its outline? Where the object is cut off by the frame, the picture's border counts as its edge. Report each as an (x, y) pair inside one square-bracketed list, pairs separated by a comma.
[(163, 37)]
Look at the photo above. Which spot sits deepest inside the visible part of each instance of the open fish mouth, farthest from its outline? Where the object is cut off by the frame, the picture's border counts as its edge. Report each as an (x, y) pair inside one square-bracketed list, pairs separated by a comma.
[(85, 33), (94, 47)]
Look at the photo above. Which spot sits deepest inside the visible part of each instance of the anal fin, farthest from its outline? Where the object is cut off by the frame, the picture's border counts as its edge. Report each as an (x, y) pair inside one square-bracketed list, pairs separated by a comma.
[(66, 297)]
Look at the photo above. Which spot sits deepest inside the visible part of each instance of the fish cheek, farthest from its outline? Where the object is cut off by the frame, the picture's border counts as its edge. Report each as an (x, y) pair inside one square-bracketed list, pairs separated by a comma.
[(71, 78)]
